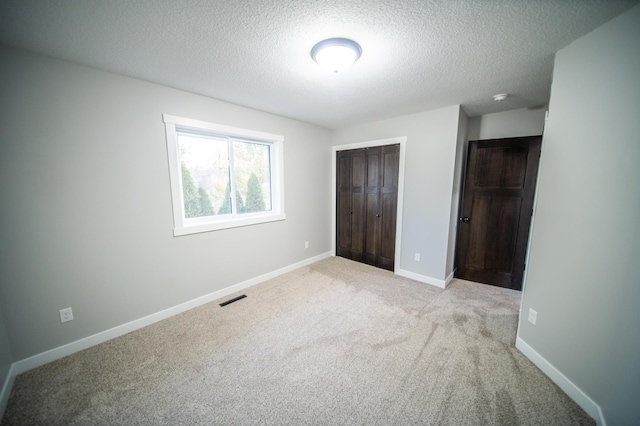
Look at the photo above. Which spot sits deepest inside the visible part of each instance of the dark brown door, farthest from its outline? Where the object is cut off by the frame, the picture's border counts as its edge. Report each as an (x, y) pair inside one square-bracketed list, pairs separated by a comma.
[(496, 211), (367, 191), (350, 204)]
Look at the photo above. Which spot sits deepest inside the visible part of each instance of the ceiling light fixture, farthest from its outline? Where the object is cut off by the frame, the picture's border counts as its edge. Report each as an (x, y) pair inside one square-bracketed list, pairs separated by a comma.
[(500, 97), (336, 54)]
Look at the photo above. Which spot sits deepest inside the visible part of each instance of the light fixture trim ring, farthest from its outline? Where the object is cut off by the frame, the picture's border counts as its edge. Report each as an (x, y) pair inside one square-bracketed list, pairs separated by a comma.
[(336, 41)]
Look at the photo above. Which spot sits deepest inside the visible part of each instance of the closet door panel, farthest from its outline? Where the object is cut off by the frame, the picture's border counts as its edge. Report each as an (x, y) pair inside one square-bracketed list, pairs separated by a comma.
[(343, 205), (372, 215), (388, 232), (389, 195), (372, 236), (358, 176)]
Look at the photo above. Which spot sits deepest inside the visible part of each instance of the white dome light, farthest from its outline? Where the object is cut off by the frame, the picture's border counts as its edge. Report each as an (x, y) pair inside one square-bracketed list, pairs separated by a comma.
[(336, 54)]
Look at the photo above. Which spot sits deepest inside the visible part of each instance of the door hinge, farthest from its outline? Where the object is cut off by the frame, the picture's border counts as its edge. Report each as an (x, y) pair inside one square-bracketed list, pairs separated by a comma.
[(524, 268)]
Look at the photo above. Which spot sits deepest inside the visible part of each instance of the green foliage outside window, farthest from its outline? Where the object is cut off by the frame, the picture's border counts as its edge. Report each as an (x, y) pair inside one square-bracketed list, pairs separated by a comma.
[(255, 198), (207, 174), (206, 209), (196, 200), (225, 208)]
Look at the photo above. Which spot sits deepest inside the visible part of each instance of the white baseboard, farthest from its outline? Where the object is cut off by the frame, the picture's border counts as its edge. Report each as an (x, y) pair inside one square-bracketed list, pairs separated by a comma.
[(574, 392), (424, 278), (449, 278), (27, 364)]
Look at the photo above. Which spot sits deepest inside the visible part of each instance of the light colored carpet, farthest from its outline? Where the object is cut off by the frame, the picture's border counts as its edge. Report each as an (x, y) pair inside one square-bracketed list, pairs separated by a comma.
[(336, 342)]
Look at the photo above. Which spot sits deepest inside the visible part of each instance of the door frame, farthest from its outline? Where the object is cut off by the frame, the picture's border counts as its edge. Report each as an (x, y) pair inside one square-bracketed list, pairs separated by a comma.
[(399, 140)]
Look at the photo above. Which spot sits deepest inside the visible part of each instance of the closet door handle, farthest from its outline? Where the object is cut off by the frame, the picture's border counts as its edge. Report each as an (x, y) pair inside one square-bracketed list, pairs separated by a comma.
[(377, 215)]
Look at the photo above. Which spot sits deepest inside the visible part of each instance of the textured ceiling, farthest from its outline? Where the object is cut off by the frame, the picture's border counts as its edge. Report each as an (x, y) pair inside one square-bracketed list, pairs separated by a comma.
[(417, 55)]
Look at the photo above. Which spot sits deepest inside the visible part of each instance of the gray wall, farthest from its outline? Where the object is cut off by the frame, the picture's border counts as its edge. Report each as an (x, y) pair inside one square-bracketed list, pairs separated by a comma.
[(583, 278), (462, 144), (86, 211), (507, 124), (5, 355), (432, 137)]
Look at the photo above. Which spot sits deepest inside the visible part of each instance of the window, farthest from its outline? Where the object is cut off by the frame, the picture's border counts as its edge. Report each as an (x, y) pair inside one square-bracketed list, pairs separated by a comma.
[(221, 176)]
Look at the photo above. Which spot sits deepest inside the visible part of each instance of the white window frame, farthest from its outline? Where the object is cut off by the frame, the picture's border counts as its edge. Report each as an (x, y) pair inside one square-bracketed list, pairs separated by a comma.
[(185, 226)]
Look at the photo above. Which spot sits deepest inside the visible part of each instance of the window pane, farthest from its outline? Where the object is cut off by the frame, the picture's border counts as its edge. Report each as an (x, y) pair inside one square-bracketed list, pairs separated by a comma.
[(252, 174), (204, 169)]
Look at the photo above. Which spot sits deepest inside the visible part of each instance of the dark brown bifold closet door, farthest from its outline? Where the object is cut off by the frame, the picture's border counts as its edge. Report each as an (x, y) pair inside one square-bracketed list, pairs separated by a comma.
[(367, 191)]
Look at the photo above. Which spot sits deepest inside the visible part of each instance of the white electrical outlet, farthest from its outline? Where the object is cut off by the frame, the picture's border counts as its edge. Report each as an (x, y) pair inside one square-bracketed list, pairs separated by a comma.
[(533, 316), (306, 244), (416, 257), (66, 315)]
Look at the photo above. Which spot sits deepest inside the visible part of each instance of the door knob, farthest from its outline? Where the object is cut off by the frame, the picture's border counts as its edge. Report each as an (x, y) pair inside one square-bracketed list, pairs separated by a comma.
[(377, 215), (465, 219)]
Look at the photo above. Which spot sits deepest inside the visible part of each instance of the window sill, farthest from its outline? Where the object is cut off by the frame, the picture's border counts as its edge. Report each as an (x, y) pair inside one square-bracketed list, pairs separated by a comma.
[(235, 222)]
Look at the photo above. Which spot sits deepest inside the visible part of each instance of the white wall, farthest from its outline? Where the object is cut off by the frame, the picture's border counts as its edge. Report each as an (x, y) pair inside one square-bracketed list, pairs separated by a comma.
[(583, 277), (507, 124), (432, 137), (86, 210)]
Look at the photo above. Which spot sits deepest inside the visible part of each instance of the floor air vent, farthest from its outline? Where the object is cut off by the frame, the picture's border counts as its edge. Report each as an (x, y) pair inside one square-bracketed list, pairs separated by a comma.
[(235, 299)]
